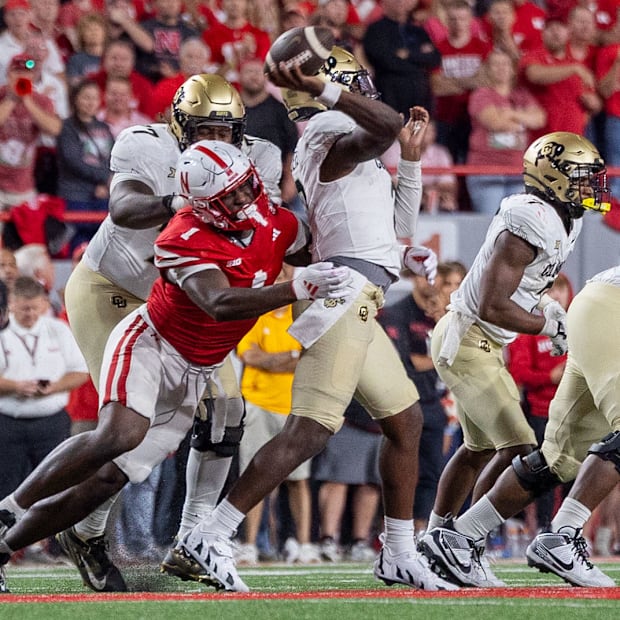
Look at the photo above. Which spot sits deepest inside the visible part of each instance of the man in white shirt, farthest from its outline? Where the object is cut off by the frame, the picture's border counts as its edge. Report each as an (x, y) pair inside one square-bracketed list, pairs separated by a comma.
[(40, 363)]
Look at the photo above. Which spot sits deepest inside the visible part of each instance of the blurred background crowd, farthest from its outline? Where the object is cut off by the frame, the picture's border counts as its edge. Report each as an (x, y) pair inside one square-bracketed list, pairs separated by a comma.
[(494, 74)]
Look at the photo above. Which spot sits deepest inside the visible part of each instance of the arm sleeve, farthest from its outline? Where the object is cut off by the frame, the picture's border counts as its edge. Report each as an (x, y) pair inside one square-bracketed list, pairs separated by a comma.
[(408, 198), (301, 239)]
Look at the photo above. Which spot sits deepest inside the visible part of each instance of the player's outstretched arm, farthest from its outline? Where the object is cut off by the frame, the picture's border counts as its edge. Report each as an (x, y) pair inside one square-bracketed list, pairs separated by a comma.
[(379, 124), (133, 205), (209, 290)]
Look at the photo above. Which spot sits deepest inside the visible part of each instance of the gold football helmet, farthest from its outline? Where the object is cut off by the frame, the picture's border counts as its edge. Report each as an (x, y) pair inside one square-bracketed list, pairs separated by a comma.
[(565, 168), (206, 99), (341, 68)]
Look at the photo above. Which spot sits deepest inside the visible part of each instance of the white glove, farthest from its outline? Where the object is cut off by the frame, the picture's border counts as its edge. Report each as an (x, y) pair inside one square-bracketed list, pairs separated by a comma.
[(555, 327), (321, 280), (421, 261)]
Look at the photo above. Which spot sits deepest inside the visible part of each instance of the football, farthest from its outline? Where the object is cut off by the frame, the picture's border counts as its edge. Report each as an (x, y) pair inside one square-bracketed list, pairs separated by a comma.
[(308, 46)]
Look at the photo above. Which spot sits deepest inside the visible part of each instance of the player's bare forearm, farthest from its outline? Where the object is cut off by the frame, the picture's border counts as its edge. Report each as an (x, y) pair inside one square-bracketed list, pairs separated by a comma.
[(372, 115), (501, 278), (230, 304), (133, 205), (506, 314)]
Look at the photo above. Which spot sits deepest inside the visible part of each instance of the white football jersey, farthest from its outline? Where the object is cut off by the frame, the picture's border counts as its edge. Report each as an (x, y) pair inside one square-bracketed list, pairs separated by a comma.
[(609, 276), (352, 216), (534, 220), (149, 154)]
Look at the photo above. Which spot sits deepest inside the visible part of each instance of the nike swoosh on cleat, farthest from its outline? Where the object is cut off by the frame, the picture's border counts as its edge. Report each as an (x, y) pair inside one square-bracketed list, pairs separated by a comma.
[(466, 568), (554, 560), (97, 584)]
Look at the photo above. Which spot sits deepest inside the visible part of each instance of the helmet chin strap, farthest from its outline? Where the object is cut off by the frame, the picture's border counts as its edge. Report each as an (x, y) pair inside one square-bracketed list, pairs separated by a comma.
[(575, 211)]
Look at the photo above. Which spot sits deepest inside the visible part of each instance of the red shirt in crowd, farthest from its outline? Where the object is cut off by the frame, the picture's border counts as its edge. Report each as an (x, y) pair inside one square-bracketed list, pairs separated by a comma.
[(559, 100), (140, 86), (460, 62), (604, 62), (530, 364), (528, 26)]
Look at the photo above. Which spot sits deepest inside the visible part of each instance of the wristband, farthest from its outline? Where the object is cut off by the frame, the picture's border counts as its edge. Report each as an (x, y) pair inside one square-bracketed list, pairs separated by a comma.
[(330, 95), (171, 204)]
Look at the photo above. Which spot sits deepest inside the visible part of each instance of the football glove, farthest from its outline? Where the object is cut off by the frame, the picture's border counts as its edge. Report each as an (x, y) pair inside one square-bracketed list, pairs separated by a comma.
[(555, 327), (421, 261), (321, 280)]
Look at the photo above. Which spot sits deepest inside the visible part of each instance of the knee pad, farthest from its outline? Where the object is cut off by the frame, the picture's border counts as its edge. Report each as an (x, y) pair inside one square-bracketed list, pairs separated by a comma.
[(608, 449), (534, 474), (209, 435)]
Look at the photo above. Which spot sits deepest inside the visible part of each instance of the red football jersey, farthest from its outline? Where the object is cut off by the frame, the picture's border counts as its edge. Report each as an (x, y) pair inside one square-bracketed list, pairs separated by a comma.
[(188, 242)]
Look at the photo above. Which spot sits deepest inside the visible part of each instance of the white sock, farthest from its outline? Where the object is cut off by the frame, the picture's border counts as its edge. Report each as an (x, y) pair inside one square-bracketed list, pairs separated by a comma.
[(479, 520), (205, 476), (95, 523), (225, 520), (399, 535), (434, 521), (572, 514), (9, 503)]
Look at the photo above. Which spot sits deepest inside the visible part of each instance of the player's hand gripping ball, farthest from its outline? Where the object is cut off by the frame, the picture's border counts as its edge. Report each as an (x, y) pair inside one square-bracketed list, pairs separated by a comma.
[(309, 47)]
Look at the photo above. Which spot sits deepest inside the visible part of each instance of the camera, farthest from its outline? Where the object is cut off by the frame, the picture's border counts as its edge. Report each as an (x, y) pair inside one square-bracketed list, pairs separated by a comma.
[(23, 86)]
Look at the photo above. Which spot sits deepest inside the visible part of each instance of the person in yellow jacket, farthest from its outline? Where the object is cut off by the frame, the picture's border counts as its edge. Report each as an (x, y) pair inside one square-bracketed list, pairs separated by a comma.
[(269, 355)]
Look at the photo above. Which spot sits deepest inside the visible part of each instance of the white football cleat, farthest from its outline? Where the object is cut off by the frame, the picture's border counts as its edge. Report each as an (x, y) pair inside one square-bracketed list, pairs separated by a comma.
[(456, 557), (361, 551), (215, 554), (246, 554), (308, 554), (565, 554), (410, 568)]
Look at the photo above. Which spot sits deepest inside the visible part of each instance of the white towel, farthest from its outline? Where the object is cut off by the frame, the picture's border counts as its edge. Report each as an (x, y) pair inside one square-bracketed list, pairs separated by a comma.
[(218, 403), (458, 324), (322, 313)]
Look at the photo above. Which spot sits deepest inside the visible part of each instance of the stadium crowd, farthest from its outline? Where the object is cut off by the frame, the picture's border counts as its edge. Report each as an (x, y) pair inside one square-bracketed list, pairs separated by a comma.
[(75, 74)]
